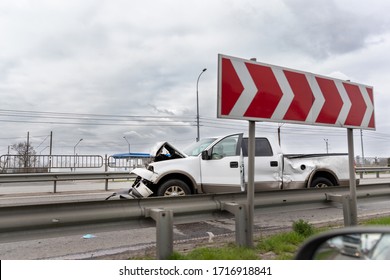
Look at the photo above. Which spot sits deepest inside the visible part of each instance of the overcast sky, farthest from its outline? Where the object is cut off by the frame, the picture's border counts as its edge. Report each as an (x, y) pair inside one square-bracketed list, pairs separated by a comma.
[(102, 70)]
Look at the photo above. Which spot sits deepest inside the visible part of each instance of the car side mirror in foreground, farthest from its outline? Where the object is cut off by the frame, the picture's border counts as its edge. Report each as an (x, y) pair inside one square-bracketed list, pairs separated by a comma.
[(351, 243)]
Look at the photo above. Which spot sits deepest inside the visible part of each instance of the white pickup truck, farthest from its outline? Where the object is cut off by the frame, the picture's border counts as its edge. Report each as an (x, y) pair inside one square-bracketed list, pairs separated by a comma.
[(219, 164)]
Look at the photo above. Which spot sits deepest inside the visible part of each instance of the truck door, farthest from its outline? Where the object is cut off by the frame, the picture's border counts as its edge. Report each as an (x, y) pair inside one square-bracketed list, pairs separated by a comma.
[(221, 166), (267, 165)]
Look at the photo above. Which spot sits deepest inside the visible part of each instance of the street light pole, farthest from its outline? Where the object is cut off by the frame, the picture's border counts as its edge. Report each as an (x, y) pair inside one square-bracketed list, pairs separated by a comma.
[(74, 153), (74, 148), (197, 105), (124, 137)]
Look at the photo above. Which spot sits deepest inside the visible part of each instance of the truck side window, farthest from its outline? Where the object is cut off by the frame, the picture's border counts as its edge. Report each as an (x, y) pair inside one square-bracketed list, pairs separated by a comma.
[(262, 147), (225, 148)]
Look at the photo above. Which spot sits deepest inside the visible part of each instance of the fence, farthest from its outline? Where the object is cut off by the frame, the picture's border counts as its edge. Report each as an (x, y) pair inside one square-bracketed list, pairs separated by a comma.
[(364, 171), (372, 161), (129, 162), (46, 163)]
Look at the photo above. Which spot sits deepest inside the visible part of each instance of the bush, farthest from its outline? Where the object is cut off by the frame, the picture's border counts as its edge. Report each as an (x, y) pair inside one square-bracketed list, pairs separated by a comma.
[(303, 228)]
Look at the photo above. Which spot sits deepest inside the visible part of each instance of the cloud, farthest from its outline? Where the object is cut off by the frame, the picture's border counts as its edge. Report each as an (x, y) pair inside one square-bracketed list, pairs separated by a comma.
[(122, 58), (323, 28)]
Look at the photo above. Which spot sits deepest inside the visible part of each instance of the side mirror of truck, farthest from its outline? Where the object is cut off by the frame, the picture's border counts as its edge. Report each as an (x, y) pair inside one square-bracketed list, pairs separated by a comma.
[(205, 155)]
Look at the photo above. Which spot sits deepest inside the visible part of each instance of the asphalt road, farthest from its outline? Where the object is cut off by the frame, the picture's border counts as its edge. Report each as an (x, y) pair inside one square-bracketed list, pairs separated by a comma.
[(62, 186), (42, 192)]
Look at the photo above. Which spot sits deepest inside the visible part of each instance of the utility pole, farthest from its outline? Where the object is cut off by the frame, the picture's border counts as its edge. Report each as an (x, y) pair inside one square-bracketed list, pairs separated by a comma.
[(280, 144), (51, 149), (361, 141), (327, 145), (27, 146)]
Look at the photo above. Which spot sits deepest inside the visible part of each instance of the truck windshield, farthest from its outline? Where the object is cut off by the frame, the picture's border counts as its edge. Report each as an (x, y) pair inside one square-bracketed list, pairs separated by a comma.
[(197, 147)]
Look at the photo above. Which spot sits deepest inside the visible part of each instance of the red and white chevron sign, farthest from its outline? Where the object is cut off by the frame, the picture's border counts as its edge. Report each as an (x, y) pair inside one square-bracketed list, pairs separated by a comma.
[(256, 91)]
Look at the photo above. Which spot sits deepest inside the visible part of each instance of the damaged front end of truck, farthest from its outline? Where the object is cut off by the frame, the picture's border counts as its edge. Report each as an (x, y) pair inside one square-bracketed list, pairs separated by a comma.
[(145, 177)]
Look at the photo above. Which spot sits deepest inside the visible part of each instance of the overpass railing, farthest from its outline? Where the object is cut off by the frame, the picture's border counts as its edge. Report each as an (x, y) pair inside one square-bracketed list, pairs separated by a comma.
[(48, 163)]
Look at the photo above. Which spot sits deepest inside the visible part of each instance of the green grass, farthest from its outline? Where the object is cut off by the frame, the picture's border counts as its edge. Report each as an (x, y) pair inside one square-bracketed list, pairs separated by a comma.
[(278, 246), (228, 252), (385, 221), (281, 246)]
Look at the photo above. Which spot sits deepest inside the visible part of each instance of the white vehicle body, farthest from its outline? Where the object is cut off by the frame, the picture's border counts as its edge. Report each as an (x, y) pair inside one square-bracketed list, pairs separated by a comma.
[(218, 165)]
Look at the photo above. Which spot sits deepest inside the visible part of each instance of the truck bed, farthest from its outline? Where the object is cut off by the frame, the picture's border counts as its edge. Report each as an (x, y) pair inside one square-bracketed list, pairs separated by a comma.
[(291, 156)]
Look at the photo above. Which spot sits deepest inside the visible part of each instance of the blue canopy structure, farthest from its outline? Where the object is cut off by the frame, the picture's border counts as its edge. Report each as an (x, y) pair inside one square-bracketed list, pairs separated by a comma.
[(131, 155)]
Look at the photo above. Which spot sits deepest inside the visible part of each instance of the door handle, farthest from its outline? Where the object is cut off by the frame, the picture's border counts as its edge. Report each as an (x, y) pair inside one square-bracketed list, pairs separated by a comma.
[(274, 163), (234, 164)]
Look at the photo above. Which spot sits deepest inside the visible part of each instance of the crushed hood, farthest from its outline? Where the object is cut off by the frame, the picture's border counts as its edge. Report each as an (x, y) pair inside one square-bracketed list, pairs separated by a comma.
[(165, 151), (160, 152)]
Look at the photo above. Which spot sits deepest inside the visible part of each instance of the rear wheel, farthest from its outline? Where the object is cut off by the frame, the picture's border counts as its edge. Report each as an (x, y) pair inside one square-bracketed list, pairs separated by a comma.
[(321, 182), (173, 187)]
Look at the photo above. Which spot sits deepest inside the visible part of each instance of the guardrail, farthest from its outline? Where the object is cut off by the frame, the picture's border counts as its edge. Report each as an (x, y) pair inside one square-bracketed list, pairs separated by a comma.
[(75, 176), (49, 219), (62, 176), (44, 163), (377, 170)]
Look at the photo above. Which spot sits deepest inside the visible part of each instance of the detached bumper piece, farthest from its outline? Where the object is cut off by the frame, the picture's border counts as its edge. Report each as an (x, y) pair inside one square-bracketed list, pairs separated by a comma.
[(138, 190)]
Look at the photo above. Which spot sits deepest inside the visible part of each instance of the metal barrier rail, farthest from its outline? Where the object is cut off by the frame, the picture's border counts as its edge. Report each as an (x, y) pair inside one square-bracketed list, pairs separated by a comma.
[(49, 219), (44, 163), (132, 162), (377, 170), (62, 176), (74, 176)]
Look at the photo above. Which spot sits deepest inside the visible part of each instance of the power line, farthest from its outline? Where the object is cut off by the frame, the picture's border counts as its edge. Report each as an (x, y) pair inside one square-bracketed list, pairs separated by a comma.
[(82, 119), (81, 115), (160, 120), (97, 124)]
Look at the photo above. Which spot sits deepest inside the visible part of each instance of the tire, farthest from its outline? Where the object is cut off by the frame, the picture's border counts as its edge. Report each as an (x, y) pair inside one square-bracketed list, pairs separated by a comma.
[(321, 182), (173, 187)]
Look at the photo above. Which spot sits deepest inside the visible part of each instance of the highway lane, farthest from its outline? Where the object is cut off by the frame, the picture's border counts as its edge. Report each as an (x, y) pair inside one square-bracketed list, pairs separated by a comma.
[(42, 192), (62, 186)]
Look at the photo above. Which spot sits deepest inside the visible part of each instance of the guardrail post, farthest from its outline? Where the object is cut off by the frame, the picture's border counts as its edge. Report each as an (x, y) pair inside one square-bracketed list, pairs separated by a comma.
[(106, 185), (239, 212), (106, 169), (55, 187), (164, 231), (345, 200)]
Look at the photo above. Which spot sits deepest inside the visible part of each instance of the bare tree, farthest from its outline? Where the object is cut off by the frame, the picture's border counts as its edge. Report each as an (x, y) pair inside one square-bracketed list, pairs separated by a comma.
[(26, 155)]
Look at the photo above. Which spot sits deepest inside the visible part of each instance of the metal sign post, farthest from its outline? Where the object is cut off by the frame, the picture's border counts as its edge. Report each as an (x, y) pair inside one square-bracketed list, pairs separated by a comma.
[(352, 179), (251, 182)]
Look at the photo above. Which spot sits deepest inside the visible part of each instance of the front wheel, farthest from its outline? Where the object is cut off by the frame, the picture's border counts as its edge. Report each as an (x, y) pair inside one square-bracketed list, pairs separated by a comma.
[(321, 182), (173, 187)]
